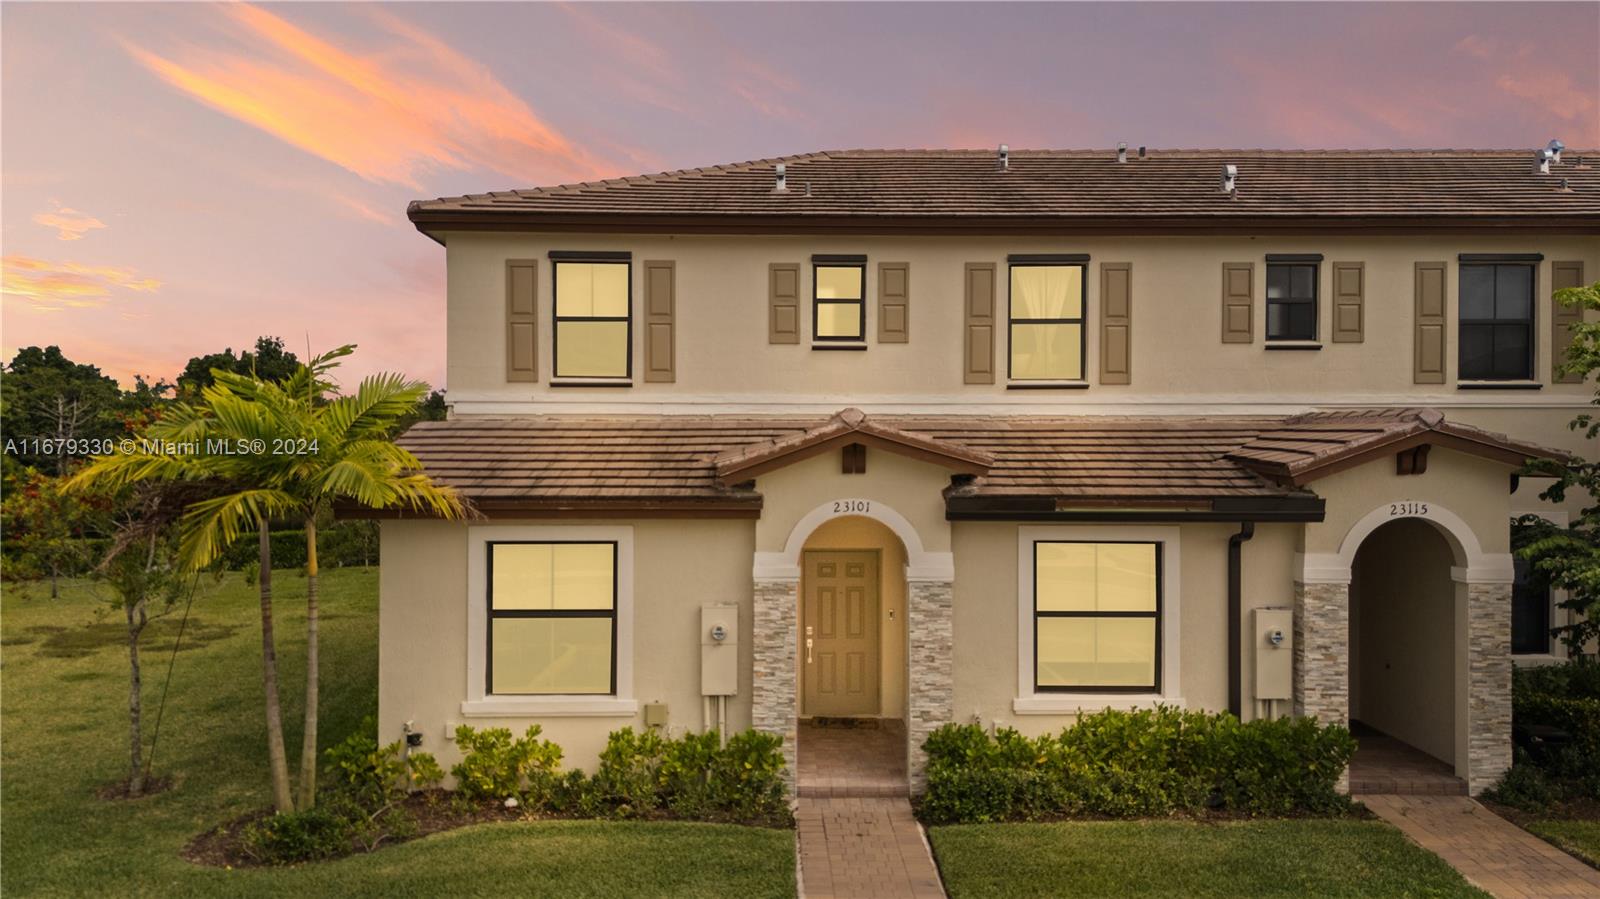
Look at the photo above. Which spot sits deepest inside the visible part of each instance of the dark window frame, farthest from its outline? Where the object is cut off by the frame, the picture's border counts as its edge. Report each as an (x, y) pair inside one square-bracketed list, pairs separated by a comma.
[(488, 598), (1156, 616), (1530, 323), (1314, 301), (556, 318), (859, 263), (1082, 321)]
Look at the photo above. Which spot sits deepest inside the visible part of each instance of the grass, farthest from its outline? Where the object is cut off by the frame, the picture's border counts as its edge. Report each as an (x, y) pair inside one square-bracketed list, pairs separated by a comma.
[(65, 736), (1300, 857), (1578, 837)]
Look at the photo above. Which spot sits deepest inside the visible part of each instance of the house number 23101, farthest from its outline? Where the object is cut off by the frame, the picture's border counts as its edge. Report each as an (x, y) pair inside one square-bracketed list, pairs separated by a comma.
[(1408, 509), (846, 506)]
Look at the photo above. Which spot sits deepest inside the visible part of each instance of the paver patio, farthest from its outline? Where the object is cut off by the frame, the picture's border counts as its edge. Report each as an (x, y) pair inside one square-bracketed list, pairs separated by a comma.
[(1488, 850)]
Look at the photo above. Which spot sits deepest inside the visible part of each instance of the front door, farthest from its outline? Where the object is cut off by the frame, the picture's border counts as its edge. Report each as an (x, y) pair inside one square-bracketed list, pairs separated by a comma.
[(839, 634)]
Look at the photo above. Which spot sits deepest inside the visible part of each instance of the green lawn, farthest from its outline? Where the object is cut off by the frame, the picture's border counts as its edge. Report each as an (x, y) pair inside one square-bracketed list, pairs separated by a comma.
[(1581, 838), (1180, 858), (64, 708)]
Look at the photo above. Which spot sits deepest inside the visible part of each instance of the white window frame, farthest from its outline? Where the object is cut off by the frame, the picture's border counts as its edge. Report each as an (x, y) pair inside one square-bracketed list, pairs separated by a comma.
[(481, 704), (1558, 616), (1029, 702)]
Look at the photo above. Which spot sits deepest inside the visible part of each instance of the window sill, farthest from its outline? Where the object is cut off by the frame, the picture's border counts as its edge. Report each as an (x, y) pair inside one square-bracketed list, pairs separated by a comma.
[(1499, 385), (550, 707), (1294, 345), (1077, 703), (840, 345), (1048, 385), (1536, 659), (591, 382)]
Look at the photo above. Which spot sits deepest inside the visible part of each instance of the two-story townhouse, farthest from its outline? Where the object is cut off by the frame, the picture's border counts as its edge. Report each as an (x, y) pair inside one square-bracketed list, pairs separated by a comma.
[(931, 436)]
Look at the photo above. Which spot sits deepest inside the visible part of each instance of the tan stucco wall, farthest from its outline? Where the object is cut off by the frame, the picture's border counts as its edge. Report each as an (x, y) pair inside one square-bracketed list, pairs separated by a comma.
[(722, 348), (1402, 647), (854, 532), (910, 487), (679, 565)]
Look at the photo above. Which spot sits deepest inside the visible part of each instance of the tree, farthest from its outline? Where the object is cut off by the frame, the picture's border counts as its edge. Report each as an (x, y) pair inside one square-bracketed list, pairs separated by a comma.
[(316, 449), (270, 362), (1569, 557), (48, 402), (45, 527), (431, 409)]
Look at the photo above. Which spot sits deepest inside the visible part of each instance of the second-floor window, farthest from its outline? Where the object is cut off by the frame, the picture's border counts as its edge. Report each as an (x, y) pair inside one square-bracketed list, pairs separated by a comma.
[(1496, 322), (1291, 300), (1046, 322), (839, 310), (593, 328)]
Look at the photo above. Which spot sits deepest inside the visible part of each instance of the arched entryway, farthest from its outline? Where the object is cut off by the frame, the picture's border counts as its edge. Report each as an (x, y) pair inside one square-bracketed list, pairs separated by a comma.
[(1404, 661)]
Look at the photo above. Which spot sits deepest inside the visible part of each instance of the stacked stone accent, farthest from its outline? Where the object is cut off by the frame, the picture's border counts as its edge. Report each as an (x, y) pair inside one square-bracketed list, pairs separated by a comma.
[(773, 683), (1488, 684), (1322, 655), (931, 691)]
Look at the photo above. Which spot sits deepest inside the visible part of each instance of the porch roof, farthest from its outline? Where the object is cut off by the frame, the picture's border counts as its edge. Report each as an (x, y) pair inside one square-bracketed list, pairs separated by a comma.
[(1002, 465)]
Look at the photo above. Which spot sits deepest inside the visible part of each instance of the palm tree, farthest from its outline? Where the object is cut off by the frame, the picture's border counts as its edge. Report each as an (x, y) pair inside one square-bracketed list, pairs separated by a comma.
[(287, 449)]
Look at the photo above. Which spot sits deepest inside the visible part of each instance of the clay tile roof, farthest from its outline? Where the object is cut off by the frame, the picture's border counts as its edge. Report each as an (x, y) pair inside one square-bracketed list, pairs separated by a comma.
[(694, 464), (924, 188)]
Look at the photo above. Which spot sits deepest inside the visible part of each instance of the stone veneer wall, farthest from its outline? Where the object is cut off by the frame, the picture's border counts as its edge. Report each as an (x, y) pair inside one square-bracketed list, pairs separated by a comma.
[(1488, 684), (930, 693), (773, 680), (1322, 655)]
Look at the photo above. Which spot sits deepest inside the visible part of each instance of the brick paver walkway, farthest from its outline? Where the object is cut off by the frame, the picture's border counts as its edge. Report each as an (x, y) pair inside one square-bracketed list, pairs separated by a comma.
[(853, 761), (1490, 851), (863, 848)]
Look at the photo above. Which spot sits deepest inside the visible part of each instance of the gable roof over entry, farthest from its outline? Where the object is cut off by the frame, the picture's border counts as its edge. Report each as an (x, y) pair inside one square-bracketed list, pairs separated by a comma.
[(847, 427)]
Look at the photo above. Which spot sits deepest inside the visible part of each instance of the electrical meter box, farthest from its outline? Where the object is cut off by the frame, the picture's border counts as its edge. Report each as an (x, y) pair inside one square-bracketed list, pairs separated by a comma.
[(1274, 648), (719, 650)]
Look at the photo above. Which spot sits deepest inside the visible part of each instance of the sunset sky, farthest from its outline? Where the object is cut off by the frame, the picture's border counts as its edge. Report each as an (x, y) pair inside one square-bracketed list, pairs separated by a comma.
[(180, 178)]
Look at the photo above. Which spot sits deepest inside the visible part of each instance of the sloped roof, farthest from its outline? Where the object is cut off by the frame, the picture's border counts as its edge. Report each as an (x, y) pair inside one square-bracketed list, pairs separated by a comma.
[(693, 464), (1055, 189)]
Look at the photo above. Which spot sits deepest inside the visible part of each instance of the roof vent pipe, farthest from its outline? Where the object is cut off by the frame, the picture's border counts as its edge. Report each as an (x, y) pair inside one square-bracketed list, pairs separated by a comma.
[(1230, 178), (783, 178), (1005, 158), (1122, 152), (1141, 152), (1566, 186), (1541, 161), (1555, 147)]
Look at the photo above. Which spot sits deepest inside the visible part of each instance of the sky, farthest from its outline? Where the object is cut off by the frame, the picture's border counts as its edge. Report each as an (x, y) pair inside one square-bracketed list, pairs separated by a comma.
[(180, 178)]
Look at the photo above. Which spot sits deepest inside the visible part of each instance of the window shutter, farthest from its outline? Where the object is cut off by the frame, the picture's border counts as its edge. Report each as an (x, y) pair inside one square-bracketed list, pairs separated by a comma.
[(522, 311), (978, 353), (660, 301), (783, 302), (1562, 318), (1349, 300), (1238, 302), (894, 302), (1430, 324), (1116, 322)]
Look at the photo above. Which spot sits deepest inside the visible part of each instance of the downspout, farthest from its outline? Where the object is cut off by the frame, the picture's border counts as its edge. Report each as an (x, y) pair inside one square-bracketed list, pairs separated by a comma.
[(1247, 529)]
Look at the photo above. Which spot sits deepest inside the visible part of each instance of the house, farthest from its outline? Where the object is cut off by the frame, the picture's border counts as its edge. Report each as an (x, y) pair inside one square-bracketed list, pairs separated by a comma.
[(931, 436)]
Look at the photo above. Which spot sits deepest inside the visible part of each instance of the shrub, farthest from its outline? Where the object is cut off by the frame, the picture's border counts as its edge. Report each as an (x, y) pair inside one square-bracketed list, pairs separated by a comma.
[(1565, 697), (746, 778), (317, 833), (376, 775), (625, 783), (494, 765), (1136, 764)]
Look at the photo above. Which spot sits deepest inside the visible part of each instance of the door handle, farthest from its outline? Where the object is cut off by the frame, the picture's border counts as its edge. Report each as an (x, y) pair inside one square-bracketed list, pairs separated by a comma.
[(808, 650)]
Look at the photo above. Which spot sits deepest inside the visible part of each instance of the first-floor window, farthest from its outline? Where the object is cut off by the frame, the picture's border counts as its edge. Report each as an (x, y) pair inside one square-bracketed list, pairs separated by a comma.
[(552, 618), (1530, 611), (1046, 322), (1097, 611), (593, 328)]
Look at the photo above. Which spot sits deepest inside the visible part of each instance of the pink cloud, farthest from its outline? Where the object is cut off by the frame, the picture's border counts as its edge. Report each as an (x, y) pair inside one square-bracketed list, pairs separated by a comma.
[(69, 224), (50, 285)]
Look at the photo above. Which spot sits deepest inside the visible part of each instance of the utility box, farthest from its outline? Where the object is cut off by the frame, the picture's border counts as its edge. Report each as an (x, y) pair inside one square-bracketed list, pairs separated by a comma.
[(1274, 648), (719, 650)]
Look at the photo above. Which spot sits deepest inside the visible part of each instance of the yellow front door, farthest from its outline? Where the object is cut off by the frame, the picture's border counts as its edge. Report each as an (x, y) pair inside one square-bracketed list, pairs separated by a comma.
[(839, 634)]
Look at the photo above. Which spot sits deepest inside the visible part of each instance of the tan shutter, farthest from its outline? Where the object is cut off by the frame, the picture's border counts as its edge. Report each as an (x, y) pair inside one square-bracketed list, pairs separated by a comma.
[(1562, 318), (522, 315), (783, 302), (1431, 338), (660, 302), (894, 302), (1238, 302), (978, 353), (1116, 322), (1349, 301)]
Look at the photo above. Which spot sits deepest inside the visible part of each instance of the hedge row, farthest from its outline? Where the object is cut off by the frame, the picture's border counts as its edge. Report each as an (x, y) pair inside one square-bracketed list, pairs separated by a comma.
[(1137, 764)]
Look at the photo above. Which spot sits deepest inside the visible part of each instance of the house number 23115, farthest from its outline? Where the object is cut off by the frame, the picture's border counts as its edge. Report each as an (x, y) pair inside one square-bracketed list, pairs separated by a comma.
[(1408, 509), (846, 506)]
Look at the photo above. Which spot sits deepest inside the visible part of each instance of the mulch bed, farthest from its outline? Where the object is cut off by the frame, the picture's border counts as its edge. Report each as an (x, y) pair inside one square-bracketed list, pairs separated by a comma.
[(1579, 810), (113, 792)]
